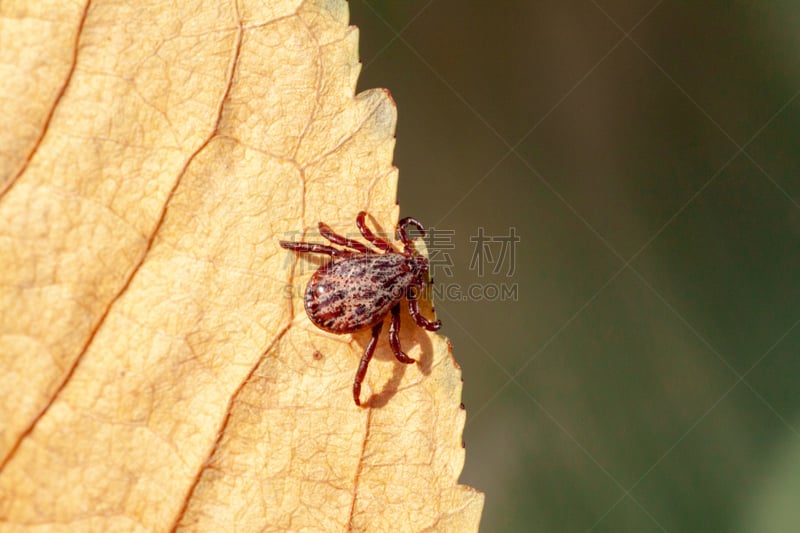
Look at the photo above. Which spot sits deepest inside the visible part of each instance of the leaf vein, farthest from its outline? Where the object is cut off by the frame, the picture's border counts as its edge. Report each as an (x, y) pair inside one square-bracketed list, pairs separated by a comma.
[(148, 246), (56, 101), (359, 468)]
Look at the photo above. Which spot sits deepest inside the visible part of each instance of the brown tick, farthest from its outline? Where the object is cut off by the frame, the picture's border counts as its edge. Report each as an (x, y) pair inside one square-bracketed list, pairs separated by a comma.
[(359, 287)]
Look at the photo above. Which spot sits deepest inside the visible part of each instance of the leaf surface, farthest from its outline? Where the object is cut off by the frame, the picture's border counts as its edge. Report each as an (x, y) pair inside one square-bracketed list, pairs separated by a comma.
[(158, 371)]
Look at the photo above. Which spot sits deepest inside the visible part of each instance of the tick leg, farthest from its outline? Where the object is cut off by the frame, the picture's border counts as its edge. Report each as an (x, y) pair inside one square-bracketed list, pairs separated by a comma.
[(361, 222), (326, 231), (413, 308), (394, 337), (401, 230), (362, 366), (312, 247)]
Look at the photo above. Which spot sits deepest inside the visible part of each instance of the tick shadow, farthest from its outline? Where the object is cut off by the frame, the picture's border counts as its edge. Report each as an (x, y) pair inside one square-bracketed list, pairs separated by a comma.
[(309, 262), (411, 337)]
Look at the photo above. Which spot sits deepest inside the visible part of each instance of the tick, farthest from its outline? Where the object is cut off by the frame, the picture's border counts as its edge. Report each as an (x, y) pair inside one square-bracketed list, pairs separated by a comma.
[(360, 286)]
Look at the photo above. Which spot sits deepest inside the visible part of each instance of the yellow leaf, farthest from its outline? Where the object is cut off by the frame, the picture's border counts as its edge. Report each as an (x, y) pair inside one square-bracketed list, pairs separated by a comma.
[(157, 371)]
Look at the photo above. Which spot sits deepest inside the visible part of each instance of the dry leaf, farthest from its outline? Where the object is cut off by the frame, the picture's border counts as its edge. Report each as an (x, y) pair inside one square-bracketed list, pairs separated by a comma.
[(156, 372)]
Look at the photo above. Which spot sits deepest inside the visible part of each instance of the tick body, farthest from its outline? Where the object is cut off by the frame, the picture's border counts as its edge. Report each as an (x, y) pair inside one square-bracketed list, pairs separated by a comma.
[(361, 286)]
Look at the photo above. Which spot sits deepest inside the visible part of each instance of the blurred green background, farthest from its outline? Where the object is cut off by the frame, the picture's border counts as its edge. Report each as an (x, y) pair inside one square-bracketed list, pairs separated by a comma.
[(645, 377)]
